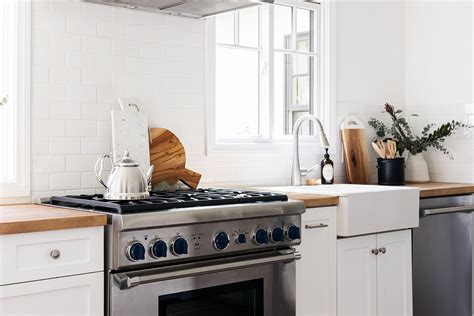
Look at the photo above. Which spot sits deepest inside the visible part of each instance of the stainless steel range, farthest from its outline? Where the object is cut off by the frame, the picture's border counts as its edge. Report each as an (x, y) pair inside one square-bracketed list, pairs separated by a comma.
[(200, 252)]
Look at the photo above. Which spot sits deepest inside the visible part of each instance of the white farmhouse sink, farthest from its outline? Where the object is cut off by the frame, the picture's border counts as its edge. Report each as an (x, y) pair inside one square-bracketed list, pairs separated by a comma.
[(366, 209)]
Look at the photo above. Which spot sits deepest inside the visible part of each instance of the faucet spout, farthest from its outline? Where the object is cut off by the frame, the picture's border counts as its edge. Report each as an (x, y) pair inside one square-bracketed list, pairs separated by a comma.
[(296, 171)]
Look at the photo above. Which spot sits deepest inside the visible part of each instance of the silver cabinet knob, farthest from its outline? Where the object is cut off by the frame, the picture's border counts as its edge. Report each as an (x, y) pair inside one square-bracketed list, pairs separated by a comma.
[(383, 250), (375, 251), (55, 254)]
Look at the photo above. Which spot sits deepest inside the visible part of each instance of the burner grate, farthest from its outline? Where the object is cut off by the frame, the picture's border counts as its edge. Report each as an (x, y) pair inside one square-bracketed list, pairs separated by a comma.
[(167, 200)]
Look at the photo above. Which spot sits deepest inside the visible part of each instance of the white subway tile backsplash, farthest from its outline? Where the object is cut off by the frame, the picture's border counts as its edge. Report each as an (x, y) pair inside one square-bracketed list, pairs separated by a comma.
[(61, 40), (94, 44), (40, 182), (60, 75), (40, 74), (126, 47), (66, 8), (109, 95), (48, 56), (40, 109), (104, 129), (76, 93), (46, 91), (151, 50), (48, 22), (65, 181), (126, 16), (40, 146), (48, 164), (99, 146), (97, 11), (65, 111), (81, 128), (125, 80), (81, 26), (142, 33), (81, 60), (88, 181), (143, 65), (64, 146), (111, 63), (96, 111), (96, 78), (80, 163), (111, 29), (48, 128)]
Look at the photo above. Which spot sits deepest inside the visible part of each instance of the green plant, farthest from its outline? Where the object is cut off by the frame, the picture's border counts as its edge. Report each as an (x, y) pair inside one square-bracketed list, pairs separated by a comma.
[(4, 101), (401, 131)]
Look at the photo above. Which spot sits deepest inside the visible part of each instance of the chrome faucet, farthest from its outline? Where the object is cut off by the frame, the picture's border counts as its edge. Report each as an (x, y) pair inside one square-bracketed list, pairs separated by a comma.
[(296, 171)]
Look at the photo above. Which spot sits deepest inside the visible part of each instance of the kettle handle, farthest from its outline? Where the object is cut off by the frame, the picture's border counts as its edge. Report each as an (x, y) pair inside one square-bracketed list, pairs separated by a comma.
[(100, 165)]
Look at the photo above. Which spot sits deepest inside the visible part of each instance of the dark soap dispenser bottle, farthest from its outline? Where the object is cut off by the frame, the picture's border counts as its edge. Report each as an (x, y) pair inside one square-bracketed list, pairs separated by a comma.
[(327, 170)]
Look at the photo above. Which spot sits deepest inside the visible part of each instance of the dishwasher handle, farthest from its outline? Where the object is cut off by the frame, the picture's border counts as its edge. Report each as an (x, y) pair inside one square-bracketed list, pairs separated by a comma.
[(455, 209)]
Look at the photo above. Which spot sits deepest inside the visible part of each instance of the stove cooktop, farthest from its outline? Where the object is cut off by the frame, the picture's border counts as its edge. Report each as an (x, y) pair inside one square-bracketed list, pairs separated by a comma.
[(166, 200)]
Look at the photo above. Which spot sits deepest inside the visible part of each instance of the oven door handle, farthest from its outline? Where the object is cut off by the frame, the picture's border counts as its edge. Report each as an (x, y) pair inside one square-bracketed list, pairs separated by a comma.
[(125, 281)]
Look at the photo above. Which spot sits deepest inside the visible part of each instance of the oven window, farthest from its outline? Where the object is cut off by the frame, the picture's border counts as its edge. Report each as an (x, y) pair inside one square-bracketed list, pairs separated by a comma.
[(235, 299)]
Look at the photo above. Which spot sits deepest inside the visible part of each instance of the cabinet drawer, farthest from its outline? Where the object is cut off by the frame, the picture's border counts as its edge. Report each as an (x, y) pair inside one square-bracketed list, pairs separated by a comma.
[(79, 295), (43, 255)]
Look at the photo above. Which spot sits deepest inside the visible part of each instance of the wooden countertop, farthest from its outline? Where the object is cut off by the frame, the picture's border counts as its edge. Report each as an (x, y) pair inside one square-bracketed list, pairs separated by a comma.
[(26, 218), (440, 189), (314, 200)]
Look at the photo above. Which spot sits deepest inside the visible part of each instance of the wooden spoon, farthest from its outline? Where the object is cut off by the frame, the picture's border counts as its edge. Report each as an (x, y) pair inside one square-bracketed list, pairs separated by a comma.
[(379, 148), (391, 148)]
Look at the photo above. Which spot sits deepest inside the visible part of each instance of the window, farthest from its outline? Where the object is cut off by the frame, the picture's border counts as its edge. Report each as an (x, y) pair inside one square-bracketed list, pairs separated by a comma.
[(14, 98), (266, 72)]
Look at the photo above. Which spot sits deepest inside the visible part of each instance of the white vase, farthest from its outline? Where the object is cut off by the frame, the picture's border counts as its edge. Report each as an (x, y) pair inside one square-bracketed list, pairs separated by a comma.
[(416, 169)]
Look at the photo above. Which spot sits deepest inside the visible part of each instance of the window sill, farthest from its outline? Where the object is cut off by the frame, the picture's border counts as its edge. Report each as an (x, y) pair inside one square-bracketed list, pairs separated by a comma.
[(306, 144)]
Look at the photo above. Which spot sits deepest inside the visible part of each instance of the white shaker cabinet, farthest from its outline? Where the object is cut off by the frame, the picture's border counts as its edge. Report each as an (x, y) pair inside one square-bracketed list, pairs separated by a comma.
[(57, 272), (316, 271), (374, 275), (73, 295)]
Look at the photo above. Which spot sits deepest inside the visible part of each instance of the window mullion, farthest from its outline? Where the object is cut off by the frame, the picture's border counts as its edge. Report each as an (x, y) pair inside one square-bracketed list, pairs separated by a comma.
[(236, 28), (269, 51)]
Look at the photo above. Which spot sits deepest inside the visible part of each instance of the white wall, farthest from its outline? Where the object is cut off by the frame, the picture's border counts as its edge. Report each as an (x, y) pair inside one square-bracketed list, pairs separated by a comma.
[(439, 78), (370, 60)]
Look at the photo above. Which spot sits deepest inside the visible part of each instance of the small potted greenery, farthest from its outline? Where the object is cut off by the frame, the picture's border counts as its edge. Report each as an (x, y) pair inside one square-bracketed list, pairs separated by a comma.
[(407, 140)]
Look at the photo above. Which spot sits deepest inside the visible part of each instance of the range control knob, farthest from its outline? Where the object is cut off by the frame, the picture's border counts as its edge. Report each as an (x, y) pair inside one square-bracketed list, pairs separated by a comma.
[(277, 234), (158, 249), (293, 232), (179, 246), (221, 241), (240, 239), (135, 251), (260, 237)]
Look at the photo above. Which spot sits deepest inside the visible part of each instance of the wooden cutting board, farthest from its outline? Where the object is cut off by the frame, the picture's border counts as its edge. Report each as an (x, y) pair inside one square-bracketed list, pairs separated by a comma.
[(356, 152), (168, 156)]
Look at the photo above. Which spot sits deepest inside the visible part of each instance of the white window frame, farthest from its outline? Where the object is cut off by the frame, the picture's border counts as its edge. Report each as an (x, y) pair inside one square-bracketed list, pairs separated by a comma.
[(325, 88), (11, 192)]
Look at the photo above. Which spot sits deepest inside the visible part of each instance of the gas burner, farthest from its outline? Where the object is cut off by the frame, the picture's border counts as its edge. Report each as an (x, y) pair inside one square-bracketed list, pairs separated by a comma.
[(166, 200)]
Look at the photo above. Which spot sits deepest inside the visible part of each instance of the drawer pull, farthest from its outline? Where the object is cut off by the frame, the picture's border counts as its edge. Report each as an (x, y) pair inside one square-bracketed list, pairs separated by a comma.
[(322, 225), (55, 254)]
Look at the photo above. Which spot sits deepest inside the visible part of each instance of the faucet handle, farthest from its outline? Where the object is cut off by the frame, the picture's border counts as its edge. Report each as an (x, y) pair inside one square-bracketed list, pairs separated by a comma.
[(304, 172)]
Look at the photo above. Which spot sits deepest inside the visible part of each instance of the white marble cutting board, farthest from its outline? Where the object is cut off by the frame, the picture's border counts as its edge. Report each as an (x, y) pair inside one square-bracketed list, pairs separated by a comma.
[(130, 132)]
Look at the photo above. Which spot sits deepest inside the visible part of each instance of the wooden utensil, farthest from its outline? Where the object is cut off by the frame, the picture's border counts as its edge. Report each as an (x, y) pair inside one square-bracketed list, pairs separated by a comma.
[(391, 148), (378, 150), (356, 154), (168, 156)]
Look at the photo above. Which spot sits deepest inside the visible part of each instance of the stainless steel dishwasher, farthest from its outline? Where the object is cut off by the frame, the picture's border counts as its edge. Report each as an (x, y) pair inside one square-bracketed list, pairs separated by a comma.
[(442, 257)]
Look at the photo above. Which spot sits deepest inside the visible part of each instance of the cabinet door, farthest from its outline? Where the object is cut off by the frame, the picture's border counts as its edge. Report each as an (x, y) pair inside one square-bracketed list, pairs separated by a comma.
[(356, 276), (316, 271), (394, 277), (74, 295)]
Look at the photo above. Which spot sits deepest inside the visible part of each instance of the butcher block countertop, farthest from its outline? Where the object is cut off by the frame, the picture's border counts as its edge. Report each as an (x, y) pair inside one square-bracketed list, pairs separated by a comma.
[(27, 218), (439, 189), (314, 200)]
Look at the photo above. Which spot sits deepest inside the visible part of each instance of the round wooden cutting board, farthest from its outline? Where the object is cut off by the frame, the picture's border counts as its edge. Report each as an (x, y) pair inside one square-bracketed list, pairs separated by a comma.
[(168, 156)]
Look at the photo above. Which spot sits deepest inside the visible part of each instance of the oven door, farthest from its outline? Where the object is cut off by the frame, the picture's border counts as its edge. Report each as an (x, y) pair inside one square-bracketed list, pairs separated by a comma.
[(250, 285)]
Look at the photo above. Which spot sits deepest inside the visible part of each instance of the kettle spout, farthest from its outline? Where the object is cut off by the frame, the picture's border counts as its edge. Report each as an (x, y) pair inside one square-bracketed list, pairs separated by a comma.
[(149, 174)]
